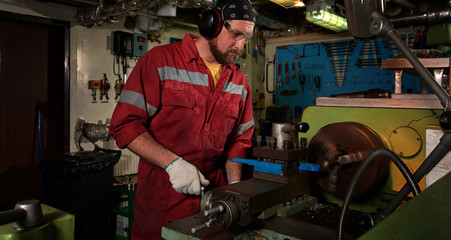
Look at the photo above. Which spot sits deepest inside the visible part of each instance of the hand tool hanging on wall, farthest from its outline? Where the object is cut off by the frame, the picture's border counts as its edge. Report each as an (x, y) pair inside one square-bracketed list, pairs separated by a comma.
[(302, 82), (317, 82), (292, 50), (286, 72), (314, 97), (310, 84), (266, 75), (298, 113), (293, 73), (336, 50), (315, 53), (299, 69), (243, 53), (255, 47), (279, 82), (288, 92), (369, 53)]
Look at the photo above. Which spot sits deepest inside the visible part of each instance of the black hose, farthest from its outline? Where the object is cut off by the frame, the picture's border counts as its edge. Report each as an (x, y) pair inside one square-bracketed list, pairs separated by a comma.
[(431, 160), (396, 160)]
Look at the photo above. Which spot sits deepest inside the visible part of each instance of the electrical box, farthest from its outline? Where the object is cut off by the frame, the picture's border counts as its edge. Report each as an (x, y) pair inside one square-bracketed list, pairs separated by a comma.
[(139, 44)]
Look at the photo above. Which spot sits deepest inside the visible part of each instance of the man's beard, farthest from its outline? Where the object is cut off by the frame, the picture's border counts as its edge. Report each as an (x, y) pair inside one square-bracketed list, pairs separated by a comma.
[(221, 58)]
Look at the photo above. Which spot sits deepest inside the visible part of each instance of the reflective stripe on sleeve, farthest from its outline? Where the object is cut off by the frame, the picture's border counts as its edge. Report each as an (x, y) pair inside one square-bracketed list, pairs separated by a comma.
[(182, 75), (244, 127), (137, 100), (233, 88)]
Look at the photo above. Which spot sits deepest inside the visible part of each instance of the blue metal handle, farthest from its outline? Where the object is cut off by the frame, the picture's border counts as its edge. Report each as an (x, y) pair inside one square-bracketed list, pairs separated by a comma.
[(259, 166), (309, 167)]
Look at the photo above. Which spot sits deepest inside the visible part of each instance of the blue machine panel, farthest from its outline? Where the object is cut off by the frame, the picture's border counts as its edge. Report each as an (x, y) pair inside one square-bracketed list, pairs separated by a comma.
[(307, 71)]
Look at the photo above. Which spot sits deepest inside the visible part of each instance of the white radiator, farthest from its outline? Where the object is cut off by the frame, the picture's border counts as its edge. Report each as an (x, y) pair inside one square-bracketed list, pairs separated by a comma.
[(127, 164)]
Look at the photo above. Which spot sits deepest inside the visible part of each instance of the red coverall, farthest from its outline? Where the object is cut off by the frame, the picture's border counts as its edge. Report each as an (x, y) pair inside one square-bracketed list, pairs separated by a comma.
[(170, 93)]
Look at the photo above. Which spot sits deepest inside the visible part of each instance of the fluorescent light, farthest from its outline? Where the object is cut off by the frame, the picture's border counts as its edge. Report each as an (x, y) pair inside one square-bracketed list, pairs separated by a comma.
[(327, 20), (289, 3)]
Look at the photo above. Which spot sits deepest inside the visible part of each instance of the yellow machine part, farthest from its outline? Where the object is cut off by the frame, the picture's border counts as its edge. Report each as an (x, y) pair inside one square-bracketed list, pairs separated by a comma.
[(402, 130)]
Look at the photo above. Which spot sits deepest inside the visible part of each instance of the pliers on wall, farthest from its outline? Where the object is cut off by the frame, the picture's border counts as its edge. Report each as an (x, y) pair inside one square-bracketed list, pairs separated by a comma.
[(317, 82)]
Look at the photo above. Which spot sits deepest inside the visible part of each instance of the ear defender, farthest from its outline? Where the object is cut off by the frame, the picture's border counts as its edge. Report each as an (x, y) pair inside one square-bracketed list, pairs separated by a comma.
[(210, 24)]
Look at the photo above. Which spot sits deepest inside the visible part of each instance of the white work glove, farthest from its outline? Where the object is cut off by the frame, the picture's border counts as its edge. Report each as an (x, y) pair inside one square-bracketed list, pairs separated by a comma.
[(185, 177)]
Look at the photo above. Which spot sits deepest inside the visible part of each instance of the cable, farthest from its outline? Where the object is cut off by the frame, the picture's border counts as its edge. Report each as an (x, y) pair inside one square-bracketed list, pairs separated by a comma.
[(431, 160), (396, 160)]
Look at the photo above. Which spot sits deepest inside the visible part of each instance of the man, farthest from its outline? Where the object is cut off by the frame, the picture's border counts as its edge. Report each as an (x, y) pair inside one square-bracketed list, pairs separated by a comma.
[(183, 107)]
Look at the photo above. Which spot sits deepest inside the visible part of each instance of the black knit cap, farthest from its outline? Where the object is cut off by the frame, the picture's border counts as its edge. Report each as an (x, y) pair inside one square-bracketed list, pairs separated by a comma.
[(237, 10)]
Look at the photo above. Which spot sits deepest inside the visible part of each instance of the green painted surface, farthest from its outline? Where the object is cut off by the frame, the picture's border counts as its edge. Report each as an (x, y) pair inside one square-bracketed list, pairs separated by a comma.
[(167, 233), (384, 121), (427, 216), (57, 225)]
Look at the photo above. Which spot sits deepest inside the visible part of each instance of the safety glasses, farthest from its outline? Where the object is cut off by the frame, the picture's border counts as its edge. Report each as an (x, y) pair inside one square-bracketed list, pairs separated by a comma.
[(235, 34)]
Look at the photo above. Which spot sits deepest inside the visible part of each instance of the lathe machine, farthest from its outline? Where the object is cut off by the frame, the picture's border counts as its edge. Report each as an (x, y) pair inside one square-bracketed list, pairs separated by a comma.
[(300, 178)]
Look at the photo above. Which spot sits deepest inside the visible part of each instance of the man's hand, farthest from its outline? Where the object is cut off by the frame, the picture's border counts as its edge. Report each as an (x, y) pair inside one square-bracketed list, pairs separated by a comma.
[(185, 177)]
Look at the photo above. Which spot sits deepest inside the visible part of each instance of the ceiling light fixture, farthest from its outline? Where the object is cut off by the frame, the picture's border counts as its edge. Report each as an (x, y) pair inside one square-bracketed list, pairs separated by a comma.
[(289, 3), (322, 14)]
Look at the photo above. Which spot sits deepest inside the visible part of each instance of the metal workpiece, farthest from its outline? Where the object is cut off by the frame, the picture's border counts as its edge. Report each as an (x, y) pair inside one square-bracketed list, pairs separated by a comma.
[(287, 131), (281, 135)]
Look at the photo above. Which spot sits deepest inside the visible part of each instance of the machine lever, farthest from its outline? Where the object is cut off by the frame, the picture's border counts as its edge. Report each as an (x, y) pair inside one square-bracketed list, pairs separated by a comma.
[(202, 226), (301, 127)]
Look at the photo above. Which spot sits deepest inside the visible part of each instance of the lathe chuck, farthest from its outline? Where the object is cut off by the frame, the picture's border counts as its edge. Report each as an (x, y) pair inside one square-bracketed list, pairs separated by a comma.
[(339, 148)]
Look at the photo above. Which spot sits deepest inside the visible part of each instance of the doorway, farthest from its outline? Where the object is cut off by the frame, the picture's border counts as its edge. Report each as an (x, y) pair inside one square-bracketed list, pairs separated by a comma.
[(34, 81)]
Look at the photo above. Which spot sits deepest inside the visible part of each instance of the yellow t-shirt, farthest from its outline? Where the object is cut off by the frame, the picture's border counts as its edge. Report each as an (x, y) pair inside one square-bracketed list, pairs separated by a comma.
[(215, 70)]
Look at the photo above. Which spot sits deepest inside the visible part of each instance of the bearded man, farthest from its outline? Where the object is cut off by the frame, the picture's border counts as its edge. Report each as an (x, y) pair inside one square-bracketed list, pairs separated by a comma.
[(184, 107)]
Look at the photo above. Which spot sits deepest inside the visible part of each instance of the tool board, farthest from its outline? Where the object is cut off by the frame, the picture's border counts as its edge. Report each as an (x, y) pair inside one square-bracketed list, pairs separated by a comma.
[(306, 71)]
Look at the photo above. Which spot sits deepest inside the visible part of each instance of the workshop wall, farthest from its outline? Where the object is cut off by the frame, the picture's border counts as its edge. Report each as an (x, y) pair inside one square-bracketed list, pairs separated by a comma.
[(307, 71), (304, 68), (91, 58)]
